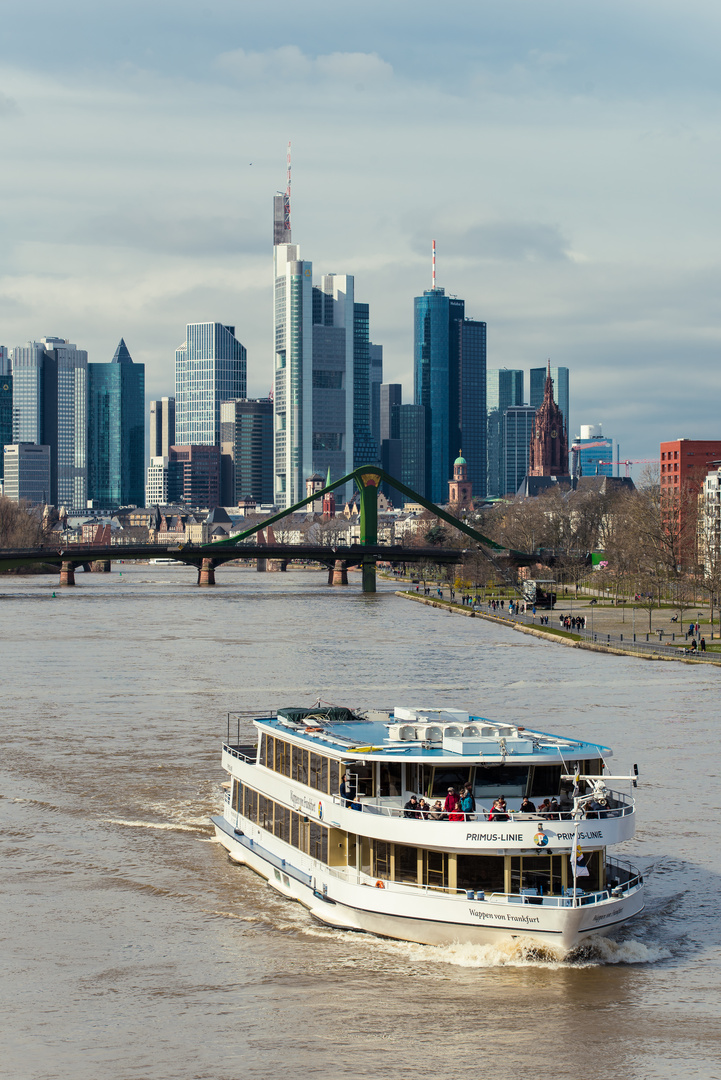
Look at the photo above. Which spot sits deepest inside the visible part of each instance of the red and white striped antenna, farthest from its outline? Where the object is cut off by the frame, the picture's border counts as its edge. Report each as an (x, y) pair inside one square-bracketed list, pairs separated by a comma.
[(433, 273)]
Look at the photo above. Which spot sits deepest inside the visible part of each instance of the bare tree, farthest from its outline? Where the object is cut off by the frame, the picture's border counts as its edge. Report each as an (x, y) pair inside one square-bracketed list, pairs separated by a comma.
[(21, 526)]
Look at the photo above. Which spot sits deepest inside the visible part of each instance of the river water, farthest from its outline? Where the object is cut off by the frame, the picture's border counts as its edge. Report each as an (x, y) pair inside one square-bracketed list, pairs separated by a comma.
[(132, 947)]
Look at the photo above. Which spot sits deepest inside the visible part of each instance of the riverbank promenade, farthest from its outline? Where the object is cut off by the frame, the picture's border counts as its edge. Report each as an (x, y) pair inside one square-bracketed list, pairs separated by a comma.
[(620, 629)]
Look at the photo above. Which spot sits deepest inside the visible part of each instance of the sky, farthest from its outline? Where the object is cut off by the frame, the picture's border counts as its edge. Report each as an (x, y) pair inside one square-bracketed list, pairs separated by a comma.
[(563, 154)]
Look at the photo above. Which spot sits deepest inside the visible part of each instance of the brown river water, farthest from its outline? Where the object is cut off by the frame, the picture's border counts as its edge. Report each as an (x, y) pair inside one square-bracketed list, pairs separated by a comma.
[(132, 949)]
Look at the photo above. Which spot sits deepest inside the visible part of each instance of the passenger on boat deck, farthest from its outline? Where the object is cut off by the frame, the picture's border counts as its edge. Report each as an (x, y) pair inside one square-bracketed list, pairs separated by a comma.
[(452, 806), (545, 807), (555, 808), (526, 807), (424, 808), (412, 809), (347, 790), (499, 810), (436, 811), (468, 803)]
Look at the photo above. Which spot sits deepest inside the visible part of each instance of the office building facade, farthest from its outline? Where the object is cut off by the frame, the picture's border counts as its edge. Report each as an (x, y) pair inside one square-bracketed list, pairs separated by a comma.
[(50, 407), (6, 414), (592, 453), (518, 423), (156, 483), (210, 367), (26, 468), (412, 436), (375, 371), (162, 427), (116, 431), (246, 447), (450, 383), (504, 388), (194, 476)]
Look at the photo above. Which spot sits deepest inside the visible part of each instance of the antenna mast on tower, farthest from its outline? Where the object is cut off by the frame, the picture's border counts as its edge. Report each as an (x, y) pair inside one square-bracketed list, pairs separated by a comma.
[(286, 199), (433, 271)]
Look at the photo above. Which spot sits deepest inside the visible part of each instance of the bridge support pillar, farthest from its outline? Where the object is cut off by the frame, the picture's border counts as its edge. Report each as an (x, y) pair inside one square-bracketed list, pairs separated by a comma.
[(67, 573), (207, 573), (339, 573), (261, 565), (100, 566), (369, 575)]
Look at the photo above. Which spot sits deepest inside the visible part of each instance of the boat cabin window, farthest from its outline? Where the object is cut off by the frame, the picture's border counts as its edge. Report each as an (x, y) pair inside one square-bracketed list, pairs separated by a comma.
[(406, 863), (435, 869), (391, 779), (495, 780), (299, 759), (282, 757), (381, 859), (308, 836), (481, 872), (362, 776), (546, 781), (445, 778), (540, 872)]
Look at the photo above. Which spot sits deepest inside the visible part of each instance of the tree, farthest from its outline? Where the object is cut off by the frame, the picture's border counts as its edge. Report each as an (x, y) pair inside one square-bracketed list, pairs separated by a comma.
[(21, 526)]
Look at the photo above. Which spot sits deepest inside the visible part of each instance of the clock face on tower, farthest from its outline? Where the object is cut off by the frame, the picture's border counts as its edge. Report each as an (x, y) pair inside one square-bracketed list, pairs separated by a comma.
[(554, 434)]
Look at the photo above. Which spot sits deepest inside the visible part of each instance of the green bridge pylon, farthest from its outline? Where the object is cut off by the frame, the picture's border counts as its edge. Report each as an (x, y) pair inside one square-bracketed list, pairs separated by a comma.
[(368, 479)]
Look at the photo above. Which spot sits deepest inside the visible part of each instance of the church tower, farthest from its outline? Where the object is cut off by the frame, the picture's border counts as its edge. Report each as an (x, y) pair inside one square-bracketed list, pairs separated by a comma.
[(549, 440), (460, 488)]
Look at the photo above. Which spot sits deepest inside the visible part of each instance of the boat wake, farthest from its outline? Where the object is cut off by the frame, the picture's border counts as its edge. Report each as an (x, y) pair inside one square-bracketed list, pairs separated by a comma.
[(168, 826), (597, 953)]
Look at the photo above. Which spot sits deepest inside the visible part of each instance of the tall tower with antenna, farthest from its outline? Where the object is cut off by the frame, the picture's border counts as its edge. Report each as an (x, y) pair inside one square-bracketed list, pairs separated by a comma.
[(281, 212)]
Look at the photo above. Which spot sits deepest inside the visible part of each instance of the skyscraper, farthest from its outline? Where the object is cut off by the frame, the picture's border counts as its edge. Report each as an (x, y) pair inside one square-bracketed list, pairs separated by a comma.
[(375, 355), (162, 427), (50, 383), (246, 447), (210, 367), (321, 384), (116, 431), (390, 433), (412, 434), (560, 390), (27, 473), (592, 452), (6, 414), (504, 388), (517, 430), (450, 383)]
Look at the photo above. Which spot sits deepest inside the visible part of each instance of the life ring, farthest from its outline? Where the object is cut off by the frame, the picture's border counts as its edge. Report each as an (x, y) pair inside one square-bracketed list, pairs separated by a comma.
[(313, 729), (380, 885)]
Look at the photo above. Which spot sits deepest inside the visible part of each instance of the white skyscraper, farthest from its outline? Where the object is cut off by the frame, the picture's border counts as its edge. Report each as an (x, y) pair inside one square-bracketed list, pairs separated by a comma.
[(316, 332)]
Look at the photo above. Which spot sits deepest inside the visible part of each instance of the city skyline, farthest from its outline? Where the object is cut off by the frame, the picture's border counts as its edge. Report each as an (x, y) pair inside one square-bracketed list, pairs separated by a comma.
[(607, 269)]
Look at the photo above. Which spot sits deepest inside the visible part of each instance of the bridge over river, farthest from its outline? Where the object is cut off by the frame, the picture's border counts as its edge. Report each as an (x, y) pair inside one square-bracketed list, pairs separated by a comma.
[(365, 555)]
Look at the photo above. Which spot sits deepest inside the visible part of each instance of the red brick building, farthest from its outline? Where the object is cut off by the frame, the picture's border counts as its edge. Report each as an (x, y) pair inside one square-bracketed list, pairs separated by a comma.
[(683, 467), (685, 462)]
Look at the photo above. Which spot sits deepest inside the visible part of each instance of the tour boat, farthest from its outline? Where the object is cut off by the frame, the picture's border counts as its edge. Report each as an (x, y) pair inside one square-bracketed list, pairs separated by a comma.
[(361, 858)]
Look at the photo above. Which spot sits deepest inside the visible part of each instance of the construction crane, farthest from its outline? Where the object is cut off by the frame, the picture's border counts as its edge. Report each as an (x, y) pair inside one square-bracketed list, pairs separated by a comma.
[(627, 462)]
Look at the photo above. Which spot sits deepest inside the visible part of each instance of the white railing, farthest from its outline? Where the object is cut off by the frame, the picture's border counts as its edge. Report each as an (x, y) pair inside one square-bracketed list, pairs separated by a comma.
[(484, 813)]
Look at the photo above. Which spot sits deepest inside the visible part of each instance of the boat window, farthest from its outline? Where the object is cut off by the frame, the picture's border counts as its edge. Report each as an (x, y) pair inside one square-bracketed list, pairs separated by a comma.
[(250, 804), (265, 812), (445, 778), (406, 863), (546, 781), (266, 750), (391, 779), (363, 777), (282, 757), (333, 776), (366, 860), (281, 823), (300, 765), (315, 771), (481, 872), (237, 795), (435, 869), (540, 872), (494, 780), (323, 781), (381, 859), (318, 842)]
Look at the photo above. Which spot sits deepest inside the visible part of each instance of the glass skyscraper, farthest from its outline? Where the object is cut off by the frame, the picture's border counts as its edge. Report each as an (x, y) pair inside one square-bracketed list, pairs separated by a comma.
[(116, 431), (6, 414), (210, 367), (50, 385), (246, 447), (375, 355), (517, 430), (504, 388), (450, 383)]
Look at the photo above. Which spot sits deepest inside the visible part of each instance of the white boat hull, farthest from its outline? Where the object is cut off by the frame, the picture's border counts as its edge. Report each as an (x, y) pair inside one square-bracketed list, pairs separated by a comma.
[(426, 917)]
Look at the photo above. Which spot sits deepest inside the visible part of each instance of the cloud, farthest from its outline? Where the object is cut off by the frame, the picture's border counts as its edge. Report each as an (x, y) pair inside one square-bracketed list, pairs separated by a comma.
[(194, 234), (8, 106), (288, 64)]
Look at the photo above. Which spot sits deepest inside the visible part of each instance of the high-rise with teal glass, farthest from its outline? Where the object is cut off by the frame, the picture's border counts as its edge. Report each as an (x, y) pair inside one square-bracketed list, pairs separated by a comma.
[(116, 431), (210, 367), (450, 383)]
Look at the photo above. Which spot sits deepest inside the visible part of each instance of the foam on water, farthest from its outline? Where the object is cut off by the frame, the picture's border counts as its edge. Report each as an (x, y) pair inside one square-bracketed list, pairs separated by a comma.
[(168, 826)]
